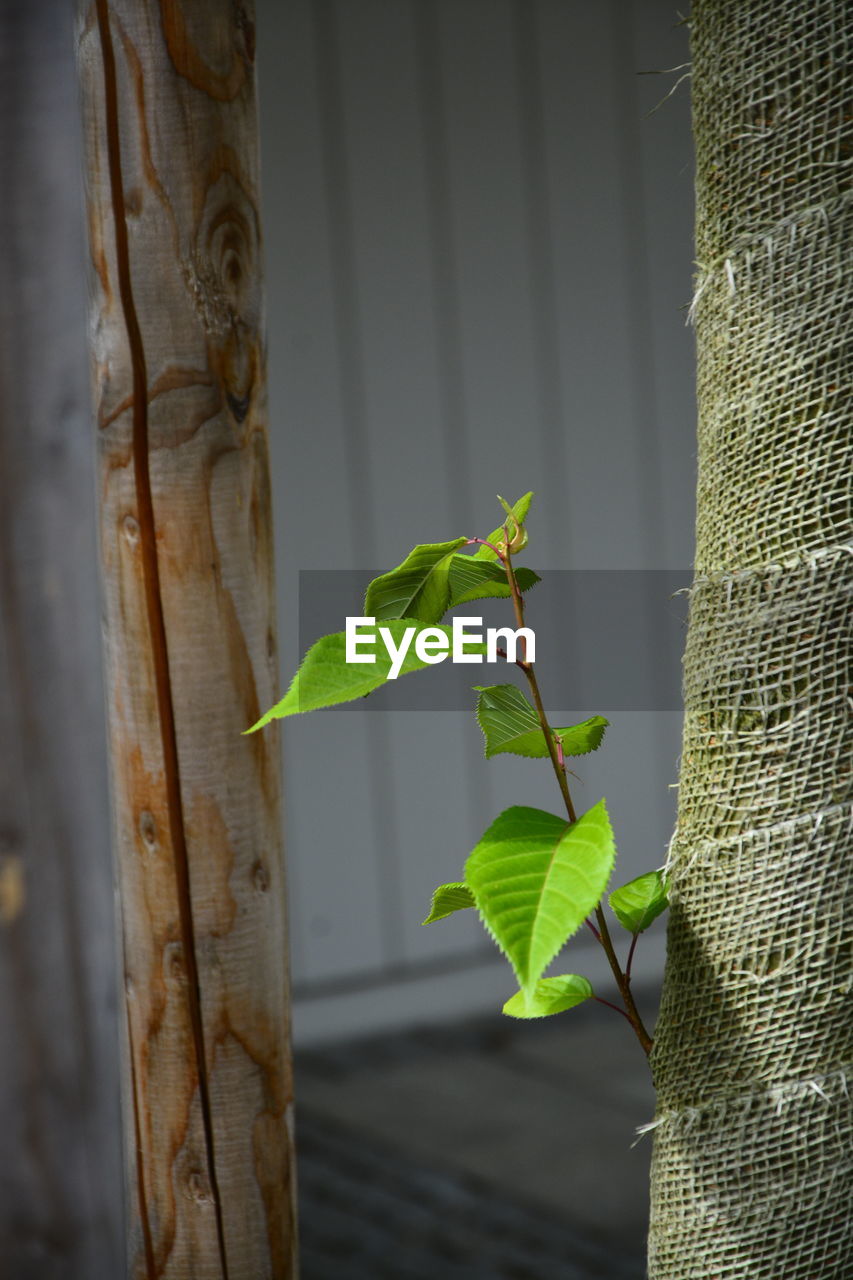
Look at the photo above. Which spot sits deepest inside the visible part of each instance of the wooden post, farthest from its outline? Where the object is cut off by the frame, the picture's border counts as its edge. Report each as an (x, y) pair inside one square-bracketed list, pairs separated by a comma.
[(186, 553), (60, 1159)]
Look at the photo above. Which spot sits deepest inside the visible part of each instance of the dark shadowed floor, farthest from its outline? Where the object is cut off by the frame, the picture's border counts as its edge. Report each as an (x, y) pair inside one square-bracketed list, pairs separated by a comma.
[(497, 1150)]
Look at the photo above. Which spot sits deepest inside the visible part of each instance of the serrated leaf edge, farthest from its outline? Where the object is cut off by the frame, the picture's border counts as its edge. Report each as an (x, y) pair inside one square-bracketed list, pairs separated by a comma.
[(449, 884), (557, 977), (452, 545), (490, 931), (664, 884)]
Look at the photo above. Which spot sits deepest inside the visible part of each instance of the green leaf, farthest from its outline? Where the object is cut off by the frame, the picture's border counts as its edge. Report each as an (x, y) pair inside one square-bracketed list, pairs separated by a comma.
[(448, 898), (519, 512), (535, 878), (325, 678), (417, 588), (515, 531), (580, 739), (510, 725), (550, 995), (473, 579), (640, 901)]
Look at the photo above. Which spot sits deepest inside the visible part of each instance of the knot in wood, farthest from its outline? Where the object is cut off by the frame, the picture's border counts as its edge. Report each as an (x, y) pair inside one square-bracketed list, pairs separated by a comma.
[(174, 963), (130, 528), (198, 1186), (148, 830)]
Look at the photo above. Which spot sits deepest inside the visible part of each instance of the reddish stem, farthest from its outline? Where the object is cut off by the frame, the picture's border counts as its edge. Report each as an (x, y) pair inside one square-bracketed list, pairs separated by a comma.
[(615, 1007), (630, 957), (484, 542), (631, 1011)]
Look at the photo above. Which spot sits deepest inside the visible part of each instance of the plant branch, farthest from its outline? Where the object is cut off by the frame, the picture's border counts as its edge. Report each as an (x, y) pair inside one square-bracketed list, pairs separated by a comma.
[(631, 957), (623, 981), (614, 1007), (592, 929), (484, 542), (527, 668)]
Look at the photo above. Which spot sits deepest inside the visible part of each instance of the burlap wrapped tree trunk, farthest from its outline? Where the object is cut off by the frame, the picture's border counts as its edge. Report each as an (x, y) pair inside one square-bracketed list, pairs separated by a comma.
[(752, 1146)]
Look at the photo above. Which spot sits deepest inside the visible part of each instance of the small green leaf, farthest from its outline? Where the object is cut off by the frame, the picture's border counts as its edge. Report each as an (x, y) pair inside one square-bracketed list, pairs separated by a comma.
[(519, 513), (580, 739), (550, 995), (325, 678), (473, 579), (417, 588), (535, 878), (516, 534), (510, 725), (455, 896), (640, 901)]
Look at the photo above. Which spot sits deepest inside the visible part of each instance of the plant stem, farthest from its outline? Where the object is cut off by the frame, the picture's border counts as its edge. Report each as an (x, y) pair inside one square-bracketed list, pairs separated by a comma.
[(615, 1007), (484, 542), (631, 957), (592, 929), (623, 981), (560, 773)]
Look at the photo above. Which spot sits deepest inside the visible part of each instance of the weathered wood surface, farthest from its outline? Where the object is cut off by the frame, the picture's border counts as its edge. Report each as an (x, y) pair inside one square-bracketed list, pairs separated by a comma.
[(178, 360), (60, 1162)]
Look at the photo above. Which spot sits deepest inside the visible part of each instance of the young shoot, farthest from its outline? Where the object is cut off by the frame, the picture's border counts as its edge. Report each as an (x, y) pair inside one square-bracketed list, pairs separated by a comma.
[(534, 877)]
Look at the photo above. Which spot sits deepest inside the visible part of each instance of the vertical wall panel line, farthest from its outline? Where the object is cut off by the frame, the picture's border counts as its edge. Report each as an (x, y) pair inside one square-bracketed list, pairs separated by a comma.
[(454, 428), (634, 204), (553, 427), (356, 441), (638, 293)]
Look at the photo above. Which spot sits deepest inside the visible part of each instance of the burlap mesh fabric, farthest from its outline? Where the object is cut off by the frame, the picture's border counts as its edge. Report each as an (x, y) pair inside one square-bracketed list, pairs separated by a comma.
[(751, 1175)]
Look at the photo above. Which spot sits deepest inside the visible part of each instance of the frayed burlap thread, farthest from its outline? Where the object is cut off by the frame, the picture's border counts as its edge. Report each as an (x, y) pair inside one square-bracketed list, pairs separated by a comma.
[(752, 1173)]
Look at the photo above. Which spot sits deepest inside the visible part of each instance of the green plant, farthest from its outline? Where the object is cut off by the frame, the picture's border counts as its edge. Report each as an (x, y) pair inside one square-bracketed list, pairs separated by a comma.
[(535, 878)]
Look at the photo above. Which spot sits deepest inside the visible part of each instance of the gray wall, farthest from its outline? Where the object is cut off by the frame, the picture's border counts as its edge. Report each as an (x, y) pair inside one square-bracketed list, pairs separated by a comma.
[(479, 256), (60, 1163)]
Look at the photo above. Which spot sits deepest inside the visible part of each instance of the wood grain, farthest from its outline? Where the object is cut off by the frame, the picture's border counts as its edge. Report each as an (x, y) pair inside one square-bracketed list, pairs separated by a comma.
[(178, 367)]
